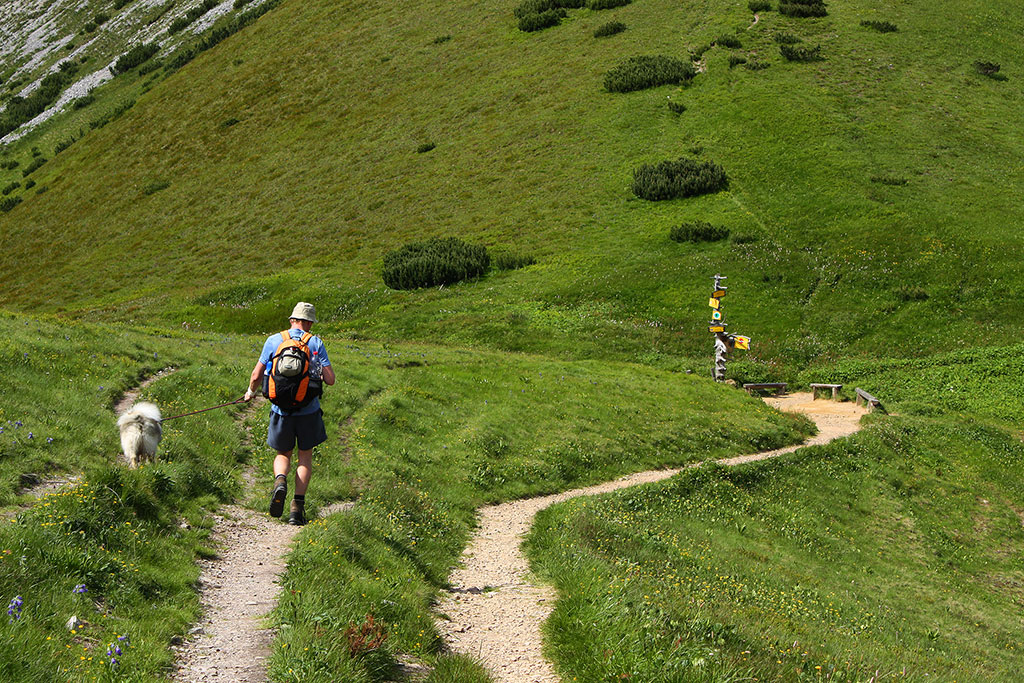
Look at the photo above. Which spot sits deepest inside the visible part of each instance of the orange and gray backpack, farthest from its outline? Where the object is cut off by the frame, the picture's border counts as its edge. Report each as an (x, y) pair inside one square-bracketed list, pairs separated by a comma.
[(287, 381)]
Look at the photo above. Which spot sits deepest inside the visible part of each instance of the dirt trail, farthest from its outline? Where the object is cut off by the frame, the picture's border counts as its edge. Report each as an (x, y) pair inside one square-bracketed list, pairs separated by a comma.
[(495, 610), (238, 588)]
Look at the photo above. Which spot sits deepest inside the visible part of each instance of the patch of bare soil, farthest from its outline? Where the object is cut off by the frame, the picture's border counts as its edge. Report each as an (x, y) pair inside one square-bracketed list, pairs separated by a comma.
[(495, 607)]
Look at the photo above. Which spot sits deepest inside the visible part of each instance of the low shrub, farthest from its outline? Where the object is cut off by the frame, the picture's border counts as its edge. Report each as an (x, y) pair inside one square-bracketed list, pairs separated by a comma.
[(698, 231), (441, 39), (756, 65), (155, 186), (30, 184), (728, 41), (239, 4), (227, 123), (676, 107), (801, 54), (911, 293), (609, 29), (190, 16), (989, 69), (150, 66), (504, 259), (64, 144), (786, 39), (880, 26), (606, 4), (895, 181), (9, 203), (698, 52), (735, 60), (88, 28), (647, 71), (680, 178), (35, 165), (10, 187), (118, 4), (100, 19), (803, 8), (113, 115), (10, 164), (83, 101), (542, 20), (439, 261), (134, 57), (759, 6), (425, 147)]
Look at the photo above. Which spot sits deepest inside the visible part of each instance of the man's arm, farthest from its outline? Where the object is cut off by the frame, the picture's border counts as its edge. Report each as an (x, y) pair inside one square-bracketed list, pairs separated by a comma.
[(327, 373), (256, 380)]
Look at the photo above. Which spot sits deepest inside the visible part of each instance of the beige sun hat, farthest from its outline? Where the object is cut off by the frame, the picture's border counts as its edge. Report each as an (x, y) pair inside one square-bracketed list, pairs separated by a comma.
[(303, 311)]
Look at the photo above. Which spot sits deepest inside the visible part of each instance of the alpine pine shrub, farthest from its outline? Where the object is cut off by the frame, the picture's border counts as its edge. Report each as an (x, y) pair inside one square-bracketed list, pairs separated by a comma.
[(683, 177), (698, 231), (880, 26), (135, 57), (439, 261), (803, 8), (609, 29), (606, 4), (648, 71), (801, 54)]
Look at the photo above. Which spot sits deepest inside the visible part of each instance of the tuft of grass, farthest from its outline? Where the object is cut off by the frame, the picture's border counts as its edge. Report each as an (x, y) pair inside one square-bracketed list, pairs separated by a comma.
[(610, 29), (880, 26), (155, 186)]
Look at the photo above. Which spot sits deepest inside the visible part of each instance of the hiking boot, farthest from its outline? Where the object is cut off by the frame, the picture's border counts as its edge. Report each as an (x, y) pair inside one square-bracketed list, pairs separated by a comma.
[(297, 516), (277, 497)]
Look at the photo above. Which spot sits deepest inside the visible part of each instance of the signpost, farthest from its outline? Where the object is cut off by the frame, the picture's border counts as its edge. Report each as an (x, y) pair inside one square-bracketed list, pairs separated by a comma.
[(724, 342)]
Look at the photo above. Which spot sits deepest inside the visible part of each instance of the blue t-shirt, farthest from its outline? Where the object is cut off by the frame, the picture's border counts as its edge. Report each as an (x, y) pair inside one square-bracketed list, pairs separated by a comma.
[(317, 359)]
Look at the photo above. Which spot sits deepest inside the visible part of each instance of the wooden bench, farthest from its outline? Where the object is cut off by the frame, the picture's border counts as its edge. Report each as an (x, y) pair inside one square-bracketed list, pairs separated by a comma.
[(779, 387), (868, 399), (818, 387)]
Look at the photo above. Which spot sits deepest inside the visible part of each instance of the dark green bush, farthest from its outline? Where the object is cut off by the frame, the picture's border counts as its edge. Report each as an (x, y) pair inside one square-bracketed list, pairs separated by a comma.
[(10, 187), (155, 186), (35, 165), (989, 69), (543, 20), (504, 259), (698, 231), (801, 54), (880, 26), (894, 181), (647, 71), (118, 4), (83, 101), (227, 123), (134, 57), (425, 147), (606, 4), (190, 16), (786, 39), (100, 19), (441, 39), (10, 164), (756, 65), (439, 261), (609, 29), (239, 4), (735, 60), (680, 178), (698, 52), (803, 8), (88, 28), (759, 6), (676, 107), (30, 184), (9, 203), (911, 293), (64, 144), (22, 109), (728, 41), (150, 66)]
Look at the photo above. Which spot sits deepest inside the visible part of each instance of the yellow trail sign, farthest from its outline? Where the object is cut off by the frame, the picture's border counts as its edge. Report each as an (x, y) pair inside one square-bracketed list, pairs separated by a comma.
[(714, 303), (742, 342)]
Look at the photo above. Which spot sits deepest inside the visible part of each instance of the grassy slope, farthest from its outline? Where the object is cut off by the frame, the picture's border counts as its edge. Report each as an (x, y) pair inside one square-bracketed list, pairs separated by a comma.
[(316, 182), (894, 554)]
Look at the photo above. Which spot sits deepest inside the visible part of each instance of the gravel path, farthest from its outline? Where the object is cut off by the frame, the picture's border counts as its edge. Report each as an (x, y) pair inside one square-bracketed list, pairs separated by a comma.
[(494, 609)]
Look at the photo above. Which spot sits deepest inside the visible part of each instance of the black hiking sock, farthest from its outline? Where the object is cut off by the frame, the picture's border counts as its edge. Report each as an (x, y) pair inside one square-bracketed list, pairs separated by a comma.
[(300, 497)]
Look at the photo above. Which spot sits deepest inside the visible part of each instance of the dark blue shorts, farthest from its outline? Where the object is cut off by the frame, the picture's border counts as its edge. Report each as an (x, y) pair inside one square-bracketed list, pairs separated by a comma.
[(286, 430)]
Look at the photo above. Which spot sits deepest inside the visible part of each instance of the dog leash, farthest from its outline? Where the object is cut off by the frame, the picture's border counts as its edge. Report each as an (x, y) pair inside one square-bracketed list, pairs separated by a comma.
[(195, 412)]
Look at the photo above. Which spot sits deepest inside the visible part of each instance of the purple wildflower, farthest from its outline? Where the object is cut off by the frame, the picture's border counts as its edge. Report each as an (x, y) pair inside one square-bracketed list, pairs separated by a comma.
[(79, 589), (14, 609)]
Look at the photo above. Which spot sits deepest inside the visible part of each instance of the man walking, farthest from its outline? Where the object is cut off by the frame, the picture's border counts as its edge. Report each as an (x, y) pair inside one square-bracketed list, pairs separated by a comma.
[(302, 426)]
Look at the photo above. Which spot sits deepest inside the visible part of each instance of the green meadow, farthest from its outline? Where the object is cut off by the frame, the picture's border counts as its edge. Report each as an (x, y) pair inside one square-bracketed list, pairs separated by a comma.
[(869, 232)]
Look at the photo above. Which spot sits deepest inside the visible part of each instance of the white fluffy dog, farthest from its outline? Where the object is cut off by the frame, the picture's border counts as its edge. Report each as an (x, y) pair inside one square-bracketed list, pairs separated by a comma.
[(140, 433)]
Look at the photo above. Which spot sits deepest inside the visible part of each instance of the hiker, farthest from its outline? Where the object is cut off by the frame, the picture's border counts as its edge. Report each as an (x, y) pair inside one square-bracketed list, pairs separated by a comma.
[(292, 382)]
